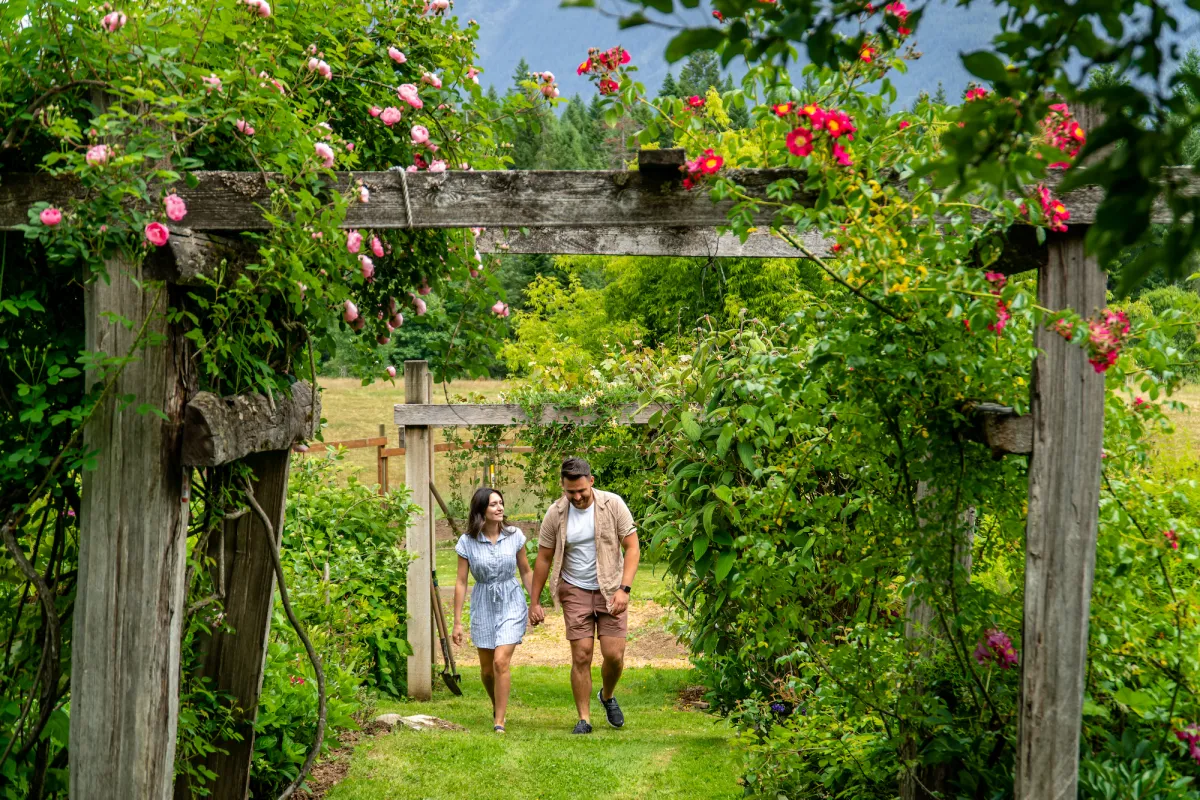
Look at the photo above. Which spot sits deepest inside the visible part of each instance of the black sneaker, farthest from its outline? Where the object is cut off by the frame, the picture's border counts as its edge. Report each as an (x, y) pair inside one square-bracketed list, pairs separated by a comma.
[(583, 726), (611, 709)]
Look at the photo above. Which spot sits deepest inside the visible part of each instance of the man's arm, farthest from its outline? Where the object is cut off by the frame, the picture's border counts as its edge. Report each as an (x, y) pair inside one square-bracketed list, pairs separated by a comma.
[(541, 571), (633, 554)]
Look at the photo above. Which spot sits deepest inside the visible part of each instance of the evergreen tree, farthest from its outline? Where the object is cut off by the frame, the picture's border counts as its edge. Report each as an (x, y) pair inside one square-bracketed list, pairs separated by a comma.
[(699, 73), (939, 96), (669, 87), (521, 73), (529, 136)]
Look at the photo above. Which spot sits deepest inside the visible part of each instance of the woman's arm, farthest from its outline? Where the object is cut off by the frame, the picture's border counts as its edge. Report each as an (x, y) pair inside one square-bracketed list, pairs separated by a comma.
[(526, 571), (460, 596)]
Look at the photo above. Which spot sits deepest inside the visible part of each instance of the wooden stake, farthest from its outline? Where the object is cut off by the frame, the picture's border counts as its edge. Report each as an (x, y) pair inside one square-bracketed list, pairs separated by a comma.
[(417, 461), (1060, 539)]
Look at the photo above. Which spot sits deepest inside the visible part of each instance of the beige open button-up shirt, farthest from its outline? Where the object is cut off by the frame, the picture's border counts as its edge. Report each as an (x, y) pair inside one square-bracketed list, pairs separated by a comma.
[(613, 524)]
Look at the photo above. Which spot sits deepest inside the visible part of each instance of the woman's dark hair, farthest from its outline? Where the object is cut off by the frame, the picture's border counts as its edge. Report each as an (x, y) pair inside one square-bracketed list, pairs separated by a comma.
[(479, 506)]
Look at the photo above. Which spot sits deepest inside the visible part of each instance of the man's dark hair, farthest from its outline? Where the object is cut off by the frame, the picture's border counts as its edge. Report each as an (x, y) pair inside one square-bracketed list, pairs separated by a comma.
[(574, 468)]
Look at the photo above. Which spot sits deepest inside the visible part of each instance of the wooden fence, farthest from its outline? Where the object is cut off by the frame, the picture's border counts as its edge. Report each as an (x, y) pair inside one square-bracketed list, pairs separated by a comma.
[(383, 452)]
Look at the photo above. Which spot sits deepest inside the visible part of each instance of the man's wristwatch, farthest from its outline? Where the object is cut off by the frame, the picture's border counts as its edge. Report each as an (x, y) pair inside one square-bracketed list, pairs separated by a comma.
[(627, 589)]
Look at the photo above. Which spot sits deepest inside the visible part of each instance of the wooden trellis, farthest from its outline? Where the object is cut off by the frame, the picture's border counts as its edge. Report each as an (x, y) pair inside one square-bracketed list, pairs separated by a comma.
[(125, 656)]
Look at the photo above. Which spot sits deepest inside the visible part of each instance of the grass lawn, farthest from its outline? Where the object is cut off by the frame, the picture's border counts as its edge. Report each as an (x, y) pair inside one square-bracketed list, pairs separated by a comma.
[(662, 752)]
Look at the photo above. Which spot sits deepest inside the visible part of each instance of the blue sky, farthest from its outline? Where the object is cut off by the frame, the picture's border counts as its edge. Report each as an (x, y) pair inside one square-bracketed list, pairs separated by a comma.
[(553, 38)]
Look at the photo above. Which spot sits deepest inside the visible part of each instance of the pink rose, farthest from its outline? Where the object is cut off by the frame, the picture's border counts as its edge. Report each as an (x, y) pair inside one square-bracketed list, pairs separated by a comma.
[(391, 371), (438, 166), (213, 82), (396, 55), (320, 67), (375, 111), (376, 247), (390, 116), (350, 148), (420, 134), (113, 22), (500, 309), (176, 208), (411, 168), (244, 127), (50, 216), (97, 155), (364, 194), (432, 80), (473, 74), (157, 234), (353, 241), (408, 93), (350, 311), (397, 319), (368, 267), (325, 154)]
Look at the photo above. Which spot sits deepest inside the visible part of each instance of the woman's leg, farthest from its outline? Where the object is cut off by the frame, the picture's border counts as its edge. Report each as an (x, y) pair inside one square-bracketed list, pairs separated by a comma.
[(487, 673), (501, 660)]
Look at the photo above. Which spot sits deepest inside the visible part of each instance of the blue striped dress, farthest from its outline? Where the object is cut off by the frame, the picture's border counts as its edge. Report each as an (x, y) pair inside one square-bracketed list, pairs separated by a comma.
[(498, 608)]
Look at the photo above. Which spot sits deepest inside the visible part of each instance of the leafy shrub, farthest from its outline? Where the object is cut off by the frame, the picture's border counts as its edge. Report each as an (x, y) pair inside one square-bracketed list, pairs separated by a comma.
[(347, 569)]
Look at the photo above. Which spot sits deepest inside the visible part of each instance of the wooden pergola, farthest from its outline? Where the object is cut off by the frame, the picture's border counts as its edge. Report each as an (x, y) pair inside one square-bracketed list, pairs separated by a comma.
[(134, 521)]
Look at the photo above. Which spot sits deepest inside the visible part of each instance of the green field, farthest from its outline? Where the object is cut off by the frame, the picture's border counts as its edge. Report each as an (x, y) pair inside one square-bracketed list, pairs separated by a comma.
[(663, 752)]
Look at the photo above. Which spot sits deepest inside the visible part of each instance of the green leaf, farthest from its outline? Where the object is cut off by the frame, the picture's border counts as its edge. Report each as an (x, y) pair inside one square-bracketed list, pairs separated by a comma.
[(693, 39), (985, 65), (1139, 702), (746, 454), (725, 439), (691, 428), (699, 547), (724, 564)]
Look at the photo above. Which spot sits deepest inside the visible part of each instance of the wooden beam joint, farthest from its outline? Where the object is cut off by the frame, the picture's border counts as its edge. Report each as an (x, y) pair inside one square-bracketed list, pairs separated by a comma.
[(218, 430)]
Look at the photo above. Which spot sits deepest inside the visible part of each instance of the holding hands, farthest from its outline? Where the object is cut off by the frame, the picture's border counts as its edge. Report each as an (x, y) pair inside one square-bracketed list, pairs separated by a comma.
[(536, 614), (457, 636)]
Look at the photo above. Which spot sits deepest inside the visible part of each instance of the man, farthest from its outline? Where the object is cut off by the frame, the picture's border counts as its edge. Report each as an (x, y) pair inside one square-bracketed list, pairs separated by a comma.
[(583, 536)]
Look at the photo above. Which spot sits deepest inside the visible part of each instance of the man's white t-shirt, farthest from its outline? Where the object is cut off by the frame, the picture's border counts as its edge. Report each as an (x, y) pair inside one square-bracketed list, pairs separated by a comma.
[(579, 552)]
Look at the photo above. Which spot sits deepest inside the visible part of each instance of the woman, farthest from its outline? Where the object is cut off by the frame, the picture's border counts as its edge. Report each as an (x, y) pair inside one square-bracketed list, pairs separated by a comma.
[(493, 551)]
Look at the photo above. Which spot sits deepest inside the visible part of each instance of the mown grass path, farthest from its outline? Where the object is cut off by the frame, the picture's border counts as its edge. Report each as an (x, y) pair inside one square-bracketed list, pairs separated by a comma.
[(662, 752)]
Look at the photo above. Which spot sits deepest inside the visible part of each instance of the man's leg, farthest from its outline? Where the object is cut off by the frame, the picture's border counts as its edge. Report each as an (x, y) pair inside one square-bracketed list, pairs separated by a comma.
[(612, 648), (581, 676), (502, 679)]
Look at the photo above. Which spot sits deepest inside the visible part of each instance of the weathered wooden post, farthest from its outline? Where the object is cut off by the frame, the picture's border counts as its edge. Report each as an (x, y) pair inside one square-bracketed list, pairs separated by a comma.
[(1060, 538), (381, 461), (132, 549), (259, 433), (418, 458)]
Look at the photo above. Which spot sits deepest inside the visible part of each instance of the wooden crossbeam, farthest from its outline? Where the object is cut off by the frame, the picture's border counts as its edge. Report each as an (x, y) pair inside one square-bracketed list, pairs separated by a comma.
[(507, 414), (232, 201), (649, 241), (999, 427)]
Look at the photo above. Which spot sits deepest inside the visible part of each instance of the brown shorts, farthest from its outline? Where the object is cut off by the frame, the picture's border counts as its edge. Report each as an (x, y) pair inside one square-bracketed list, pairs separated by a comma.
[(586, 613)]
